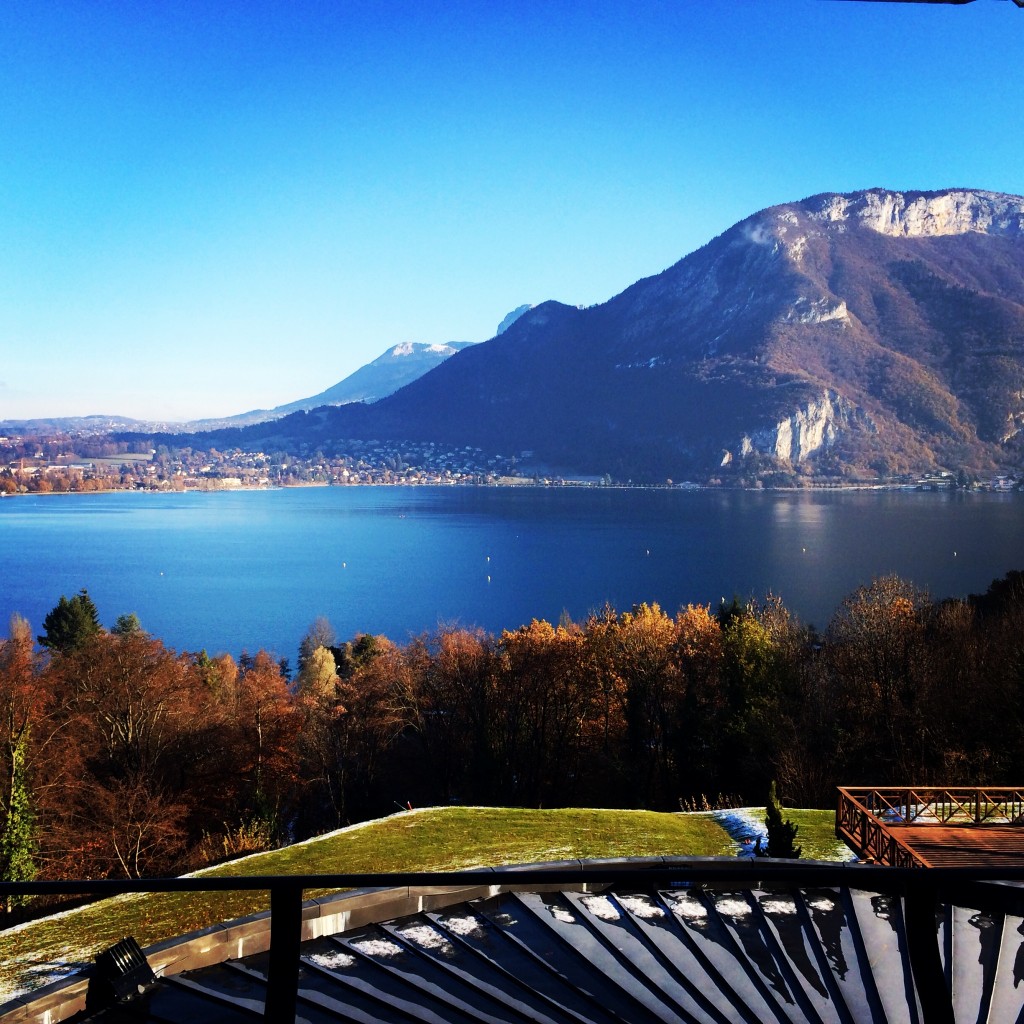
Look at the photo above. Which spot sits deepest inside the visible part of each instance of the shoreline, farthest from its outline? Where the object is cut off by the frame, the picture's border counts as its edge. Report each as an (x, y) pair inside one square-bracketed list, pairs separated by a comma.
[(530, 485)]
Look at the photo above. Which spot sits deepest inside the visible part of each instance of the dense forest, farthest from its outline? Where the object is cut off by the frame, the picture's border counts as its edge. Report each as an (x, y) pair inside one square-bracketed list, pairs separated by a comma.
[(119, 756)]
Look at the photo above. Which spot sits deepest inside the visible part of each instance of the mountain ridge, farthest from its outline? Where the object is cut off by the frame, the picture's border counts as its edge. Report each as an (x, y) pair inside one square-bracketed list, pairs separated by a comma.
[(874, 332)]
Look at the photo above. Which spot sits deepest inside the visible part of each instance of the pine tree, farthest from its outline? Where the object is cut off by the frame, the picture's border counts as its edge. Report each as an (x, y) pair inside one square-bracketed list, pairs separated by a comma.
[(70, 624), (781, 833)]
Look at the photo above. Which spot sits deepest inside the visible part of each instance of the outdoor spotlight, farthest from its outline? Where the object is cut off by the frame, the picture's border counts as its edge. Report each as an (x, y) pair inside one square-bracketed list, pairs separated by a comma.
[(120, 972)]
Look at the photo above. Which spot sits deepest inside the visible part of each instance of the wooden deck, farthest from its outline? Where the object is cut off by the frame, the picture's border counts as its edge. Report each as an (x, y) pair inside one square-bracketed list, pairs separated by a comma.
[(941, 828), (961, 846)]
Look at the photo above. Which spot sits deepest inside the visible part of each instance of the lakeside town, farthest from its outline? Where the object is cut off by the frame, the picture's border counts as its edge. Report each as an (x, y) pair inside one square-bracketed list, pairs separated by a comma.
[(66, 463)]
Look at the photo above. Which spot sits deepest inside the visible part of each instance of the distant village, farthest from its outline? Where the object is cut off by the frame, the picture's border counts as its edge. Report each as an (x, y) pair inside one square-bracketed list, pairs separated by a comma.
[(64, 463), (55, 464)]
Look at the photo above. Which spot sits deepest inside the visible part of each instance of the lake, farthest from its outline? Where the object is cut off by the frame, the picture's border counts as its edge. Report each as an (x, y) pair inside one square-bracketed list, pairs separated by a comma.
[(248, 569)]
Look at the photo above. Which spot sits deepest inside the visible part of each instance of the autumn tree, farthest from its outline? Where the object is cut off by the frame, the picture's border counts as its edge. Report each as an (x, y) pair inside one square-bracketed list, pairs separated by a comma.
[(320, 706), (377, 699), (141, 830), (453, 710), (319, 674), (604, 775), (260, 724), (515, 729), (546, 693), (877, 645), (138, 698), (132, 709), (319, 635), (643, 651), (699, 653)]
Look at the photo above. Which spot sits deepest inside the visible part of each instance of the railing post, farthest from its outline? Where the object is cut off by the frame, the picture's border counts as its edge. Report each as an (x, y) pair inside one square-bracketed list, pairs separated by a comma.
[(285, 940), (919, 905)]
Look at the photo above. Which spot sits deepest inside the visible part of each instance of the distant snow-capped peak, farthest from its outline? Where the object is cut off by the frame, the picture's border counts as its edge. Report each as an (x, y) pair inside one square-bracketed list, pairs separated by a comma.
[(419, 348)]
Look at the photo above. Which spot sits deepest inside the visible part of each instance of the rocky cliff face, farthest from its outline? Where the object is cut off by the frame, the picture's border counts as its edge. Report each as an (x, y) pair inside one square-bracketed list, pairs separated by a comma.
[(924, 214), (806, 432)]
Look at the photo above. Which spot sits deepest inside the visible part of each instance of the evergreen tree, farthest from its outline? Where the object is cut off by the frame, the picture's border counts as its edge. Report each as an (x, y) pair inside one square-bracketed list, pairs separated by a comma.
[(781, 833), (127, 625), (70, 624)]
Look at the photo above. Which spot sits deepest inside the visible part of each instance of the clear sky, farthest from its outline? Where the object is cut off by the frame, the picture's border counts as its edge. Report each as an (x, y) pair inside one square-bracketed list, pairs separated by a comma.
[(209, 206)]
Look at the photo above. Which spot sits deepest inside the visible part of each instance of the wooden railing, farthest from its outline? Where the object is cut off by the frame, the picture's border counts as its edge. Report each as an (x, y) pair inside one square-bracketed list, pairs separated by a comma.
[(868, 818)]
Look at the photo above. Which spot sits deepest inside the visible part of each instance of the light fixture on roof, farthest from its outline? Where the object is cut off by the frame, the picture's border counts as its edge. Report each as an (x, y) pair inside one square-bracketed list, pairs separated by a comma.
[(120, 972)]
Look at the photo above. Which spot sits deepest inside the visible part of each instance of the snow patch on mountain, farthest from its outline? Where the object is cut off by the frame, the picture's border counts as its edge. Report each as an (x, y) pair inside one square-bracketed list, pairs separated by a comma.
[(417, 348)]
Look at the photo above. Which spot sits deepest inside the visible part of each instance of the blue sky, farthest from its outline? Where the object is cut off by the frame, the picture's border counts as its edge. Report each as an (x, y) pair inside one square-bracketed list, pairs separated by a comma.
[(208, 207)]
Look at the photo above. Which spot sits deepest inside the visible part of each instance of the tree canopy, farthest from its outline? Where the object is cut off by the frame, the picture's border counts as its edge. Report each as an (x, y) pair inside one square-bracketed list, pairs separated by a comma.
[(121, 756)]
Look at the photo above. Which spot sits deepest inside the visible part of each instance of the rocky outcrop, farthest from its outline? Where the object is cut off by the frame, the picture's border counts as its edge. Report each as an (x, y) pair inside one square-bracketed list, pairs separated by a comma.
[(925, 214), (820, 311), (805, 432), (1014, 418)]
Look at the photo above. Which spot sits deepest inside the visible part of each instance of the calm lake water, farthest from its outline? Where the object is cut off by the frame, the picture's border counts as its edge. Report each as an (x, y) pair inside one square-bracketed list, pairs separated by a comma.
[(244, 570)]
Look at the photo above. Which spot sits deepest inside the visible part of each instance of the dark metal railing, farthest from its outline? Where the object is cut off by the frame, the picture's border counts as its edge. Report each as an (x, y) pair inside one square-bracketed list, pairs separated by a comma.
[(869, 818), (921, 891)]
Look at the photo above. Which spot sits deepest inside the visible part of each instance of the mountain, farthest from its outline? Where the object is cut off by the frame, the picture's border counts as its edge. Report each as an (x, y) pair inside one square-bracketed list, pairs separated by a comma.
[(387, 373), (873, 332), (511, 318), (398, 366), (96, 424)]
